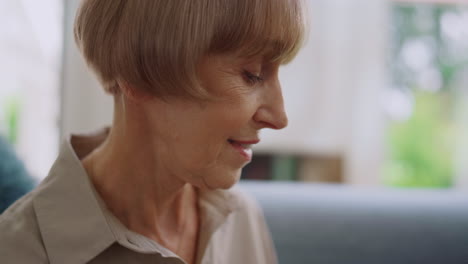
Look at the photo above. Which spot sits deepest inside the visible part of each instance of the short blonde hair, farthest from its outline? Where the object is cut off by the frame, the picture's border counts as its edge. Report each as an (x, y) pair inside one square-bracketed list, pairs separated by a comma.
[(155, 45)]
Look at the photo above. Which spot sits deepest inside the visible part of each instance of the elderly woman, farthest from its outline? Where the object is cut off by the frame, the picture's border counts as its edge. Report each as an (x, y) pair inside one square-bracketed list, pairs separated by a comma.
[(193, 83)]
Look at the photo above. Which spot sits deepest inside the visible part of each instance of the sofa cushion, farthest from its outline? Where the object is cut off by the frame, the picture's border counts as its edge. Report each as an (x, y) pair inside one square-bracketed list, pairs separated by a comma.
[(337, 224)]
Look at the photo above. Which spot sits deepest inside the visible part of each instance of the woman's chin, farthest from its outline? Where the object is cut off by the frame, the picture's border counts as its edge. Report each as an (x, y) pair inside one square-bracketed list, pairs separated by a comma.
[(221, 181)]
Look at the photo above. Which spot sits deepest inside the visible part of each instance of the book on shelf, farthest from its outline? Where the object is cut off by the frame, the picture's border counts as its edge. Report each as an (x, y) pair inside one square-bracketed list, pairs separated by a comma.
[(271, 167)]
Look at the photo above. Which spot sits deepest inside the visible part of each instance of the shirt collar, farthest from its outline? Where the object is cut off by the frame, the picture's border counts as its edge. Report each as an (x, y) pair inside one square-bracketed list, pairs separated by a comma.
[(75, 224), (73, 227), (215, 207)]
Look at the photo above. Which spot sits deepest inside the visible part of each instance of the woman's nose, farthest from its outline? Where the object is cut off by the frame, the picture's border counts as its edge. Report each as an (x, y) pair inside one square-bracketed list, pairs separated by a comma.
[(271, 113)]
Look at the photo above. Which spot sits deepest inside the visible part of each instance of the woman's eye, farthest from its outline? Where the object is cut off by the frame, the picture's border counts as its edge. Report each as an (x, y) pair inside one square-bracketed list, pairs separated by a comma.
[(252, 78)]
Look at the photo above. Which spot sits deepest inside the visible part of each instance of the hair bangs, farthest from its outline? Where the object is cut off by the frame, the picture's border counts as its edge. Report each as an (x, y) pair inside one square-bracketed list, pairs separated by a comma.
[(156, 45), (272, 29)]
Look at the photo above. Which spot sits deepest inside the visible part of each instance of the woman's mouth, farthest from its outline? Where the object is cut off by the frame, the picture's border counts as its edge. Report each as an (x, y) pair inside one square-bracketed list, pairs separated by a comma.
[(244, 148)]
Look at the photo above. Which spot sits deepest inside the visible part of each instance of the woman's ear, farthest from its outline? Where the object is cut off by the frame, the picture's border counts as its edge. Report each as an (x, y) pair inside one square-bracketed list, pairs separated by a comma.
[(131, 93)]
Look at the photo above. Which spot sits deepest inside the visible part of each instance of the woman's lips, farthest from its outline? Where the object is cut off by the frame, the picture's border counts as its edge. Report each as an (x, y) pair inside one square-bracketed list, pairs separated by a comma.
[(243, 147)]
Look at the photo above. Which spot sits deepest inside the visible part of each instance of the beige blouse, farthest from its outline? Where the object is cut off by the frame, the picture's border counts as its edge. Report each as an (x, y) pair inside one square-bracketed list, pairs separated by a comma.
[(64, 221)]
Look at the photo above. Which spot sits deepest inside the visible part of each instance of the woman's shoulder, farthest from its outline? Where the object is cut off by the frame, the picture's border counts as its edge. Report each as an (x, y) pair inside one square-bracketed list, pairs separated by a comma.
[(246, 226), (20, 234), (246, 210), (233, 206), (245, 202)]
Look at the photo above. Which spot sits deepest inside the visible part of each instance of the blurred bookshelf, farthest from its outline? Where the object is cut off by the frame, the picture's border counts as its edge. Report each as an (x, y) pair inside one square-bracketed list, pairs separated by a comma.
[(274, 167)]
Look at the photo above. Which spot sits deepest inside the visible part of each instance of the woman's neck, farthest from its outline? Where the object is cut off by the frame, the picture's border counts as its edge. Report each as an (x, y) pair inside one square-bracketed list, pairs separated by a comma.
[(141, 194)]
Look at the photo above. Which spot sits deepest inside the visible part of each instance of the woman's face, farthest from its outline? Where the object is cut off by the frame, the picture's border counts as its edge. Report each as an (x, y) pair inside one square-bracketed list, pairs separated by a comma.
[(207, 143)]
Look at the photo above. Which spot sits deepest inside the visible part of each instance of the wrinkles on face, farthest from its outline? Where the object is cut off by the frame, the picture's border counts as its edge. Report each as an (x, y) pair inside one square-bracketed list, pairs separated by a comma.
[(196, 133), (228, 84)]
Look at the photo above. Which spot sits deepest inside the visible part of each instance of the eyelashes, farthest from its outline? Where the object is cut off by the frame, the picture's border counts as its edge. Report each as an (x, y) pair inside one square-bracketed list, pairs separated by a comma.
[(252, 78)]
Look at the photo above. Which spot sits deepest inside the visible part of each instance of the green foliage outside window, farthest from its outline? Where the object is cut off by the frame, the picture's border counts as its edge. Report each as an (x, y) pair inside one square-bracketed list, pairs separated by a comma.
[(11, 118), (421, 148)]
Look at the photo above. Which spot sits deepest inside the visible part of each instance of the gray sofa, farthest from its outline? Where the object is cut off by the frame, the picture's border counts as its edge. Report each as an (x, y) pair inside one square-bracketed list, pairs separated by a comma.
[(334, 224)]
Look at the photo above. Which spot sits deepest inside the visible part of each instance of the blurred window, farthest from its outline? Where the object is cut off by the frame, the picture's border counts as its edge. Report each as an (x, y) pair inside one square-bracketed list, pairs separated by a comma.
[(427, 102), (30, 52)]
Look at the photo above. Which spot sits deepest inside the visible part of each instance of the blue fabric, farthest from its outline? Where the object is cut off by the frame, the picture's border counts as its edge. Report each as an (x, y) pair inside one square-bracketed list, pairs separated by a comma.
[(14, 179), (335, 224)]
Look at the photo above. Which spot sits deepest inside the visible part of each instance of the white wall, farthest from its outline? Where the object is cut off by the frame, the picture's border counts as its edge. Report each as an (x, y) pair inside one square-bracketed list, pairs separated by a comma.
[(333, 89), (84, 104)]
